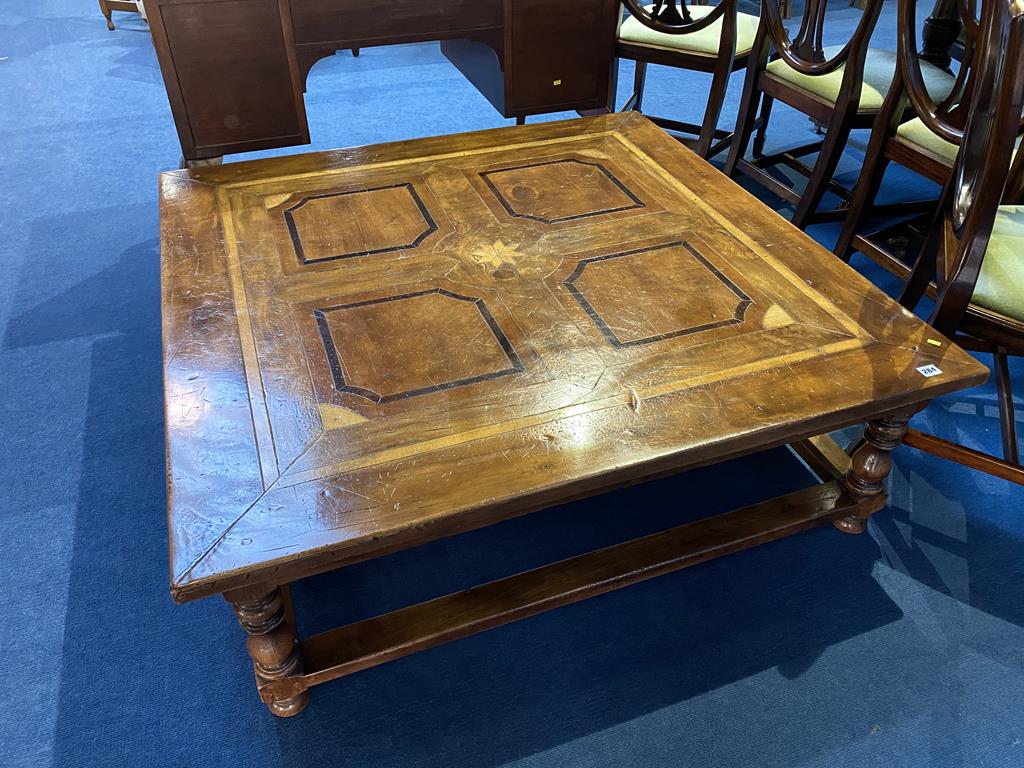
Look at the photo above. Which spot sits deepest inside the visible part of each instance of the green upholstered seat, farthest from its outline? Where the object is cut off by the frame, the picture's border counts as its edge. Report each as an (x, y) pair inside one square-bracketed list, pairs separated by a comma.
[(917, 133), (878, 73), (704, 41), (1000, 285)]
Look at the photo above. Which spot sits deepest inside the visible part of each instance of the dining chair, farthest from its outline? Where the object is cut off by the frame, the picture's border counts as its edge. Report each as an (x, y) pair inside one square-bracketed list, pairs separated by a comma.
[(926, 144), (974, 252), (713, 39), (841, 88)]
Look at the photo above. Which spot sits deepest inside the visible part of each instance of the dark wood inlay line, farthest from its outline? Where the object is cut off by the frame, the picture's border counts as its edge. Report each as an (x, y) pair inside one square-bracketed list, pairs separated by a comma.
[(428, 221), (637, 202), (334, 359), (741, 308)]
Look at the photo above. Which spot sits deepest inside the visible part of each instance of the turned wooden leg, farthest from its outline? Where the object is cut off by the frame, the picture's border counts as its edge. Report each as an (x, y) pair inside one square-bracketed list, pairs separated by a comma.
[(869, 466), (939, 32), (107, 15), (273, 643)]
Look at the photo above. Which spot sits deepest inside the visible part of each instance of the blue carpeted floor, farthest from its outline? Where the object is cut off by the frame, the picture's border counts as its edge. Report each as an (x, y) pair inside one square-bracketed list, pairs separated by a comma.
[(901, 648)]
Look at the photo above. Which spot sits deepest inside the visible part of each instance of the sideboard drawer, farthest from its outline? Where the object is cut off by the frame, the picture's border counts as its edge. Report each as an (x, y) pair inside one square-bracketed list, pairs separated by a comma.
[(327, 21)]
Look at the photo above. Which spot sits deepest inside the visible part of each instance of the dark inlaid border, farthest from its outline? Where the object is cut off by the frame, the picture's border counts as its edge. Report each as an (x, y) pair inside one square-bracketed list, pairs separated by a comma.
[(741, 308), (428, 220), (637, 203), (334, 360)]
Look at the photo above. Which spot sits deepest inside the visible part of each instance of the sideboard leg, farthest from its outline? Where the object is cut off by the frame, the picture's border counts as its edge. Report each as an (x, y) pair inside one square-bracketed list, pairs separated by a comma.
[(938, 33), (184, 163), (272, 641), (870, 465)]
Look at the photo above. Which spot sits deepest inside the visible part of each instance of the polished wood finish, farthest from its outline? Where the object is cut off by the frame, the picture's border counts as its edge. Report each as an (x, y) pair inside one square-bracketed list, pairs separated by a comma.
[(547, 57), (1004, 391), (349, 378), (231, 73), (720, 66), (940, 32), (264, 613), (804, 53), (823, 456), (342, 651), (235, 69), (961, 454), (955, 249), (870, 465), (945, 118)]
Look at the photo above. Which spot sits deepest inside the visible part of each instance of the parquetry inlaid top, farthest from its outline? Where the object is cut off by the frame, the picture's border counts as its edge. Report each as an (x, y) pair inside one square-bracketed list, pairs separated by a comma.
[(369, 348)]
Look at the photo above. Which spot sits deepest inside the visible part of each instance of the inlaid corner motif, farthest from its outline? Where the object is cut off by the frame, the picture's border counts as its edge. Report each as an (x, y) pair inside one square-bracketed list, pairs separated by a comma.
[(556, 191), (412, 344), (361, 222), (691, 296)]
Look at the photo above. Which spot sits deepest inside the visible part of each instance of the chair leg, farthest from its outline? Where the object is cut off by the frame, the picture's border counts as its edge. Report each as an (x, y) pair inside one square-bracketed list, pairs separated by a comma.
[(828, 158), (762, 129), (745, 119), (923, 271), (107, 15), (713, 110), (639, 81), (864, 195), (968, 457), (1008, 426)]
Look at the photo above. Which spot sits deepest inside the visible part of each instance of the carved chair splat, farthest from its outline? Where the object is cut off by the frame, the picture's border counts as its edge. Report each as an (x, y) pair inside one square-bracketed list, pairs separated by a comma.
[(927, 144), (841, 88), (716, 40)]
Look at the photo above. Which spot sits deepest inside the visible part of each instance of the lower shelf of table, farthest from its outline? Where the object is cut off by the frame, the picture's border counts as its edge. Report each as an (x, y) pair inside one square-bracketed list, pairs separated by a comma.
[(342, 651)]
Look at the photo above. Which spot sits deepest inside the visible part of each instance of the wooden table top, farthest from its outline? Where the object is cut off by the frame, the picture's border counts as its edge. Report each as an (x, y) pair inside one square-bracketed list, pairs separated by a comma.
[(371, 348)]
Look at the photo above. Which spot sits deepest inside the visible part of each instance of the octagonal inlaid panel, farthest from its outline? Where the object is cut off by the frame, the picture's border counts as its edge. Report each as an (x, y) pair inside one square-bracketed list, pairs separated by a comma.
[(412, 344), (652, 294), (559, 190), (343, 225)]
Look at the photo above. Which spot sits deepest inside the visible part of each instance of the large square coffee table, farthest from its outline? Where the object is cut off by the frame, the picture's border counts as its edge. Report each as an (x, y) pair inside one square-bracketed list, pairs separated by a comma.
[(369, 349)]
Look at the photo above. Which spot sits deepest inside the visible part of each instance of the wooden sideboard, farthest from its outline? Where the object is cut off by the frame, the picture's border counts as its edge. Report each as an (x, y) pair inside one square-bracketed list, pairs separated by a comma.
[(235, 70)]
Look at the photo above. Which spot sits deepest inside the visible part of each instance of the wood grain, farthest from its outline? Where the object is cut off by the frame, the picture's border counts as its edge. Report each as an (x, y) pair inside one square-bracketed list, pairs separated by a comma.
[(367, 643), (326, 413), (369, 349)]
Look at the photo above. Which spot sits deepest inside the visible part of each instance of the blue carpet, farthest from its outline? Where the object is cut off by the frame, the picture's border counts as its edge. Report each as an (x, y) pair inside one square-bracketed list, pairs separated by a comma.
[(901, 648)]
